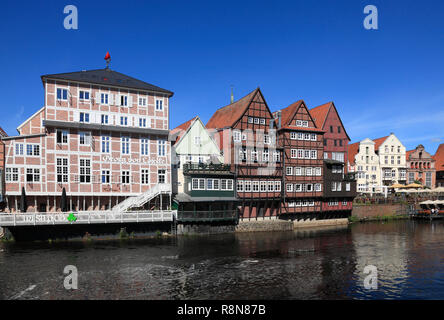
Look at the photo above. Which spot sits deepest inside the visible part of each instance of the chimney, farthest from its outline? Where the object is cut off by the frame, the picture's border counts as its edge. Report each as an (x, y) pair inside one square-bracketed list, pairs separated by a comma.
[(232, 96), (279, 117)]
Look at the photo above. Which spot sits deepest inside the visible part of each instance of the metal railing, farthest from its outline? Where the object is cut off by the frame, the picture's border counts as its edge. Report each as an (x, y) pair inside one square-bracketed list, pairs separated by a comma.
[(205, 167), (140, 200), (85, 217), (195, 216)]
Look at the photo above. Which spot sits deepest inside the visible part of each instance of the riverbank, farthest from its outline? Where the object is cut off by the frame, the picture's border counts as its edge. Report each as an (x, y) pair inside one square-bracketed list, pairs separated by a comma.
[(378, 212)]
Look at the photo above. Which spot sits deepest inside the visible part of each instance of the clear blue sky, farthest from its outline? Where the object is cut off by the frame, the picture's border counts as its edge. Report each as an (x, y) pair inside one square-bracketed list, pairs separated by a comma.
[(382, 81)]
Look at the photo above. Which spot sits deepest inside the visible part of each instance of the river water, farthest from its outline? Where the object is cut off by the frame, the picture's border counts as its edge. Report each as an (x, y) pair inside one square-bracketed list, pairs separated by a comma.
[(325, 263)]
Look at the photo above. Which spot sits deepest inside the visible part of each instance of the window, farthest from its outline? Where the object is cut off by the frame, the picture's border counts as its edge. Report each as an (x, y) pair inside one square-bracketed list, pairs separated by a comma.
[(142, 122), (265, 156), (298, 171), (347, 186), (19, 149), (240, 186), (106, 177), (331, 129), (227, 184), (62, 137), (104, 98), (123, 121), (159, 105), (314, 154), (161, 176), (161, 145), (84, 117), (318, 171), (306, 136), (270, 186), (83, 95), (318, 187), (197, 141), (236, 136), (142, 102), (62, 94), (293, 153), (313, 137), (333, 186), (289, 171), (305, 124), (308, 171), (266, 139), (125, 177), (428, 182), (123, 101), (144, 146), (309, 187), (248, 186), (85, 170), (105, 143), (307, 154), (262, 121), (339, 129), (195, 184), (11, 174), (293, 135), (250, 120), (32, 150), (125, 145), (104, 119), (289, 187), (145, 176), (32, 175), (256, 120), (255, 186), (85, 138), (62, 170), (344, 203), (253, 155), (276, 156)]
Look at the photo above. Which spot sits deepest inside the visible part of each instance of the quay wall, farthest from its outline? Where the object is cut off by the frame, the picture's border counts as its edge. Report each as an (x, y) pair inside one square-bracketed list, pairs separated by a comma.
[(378, 210), (199, 228)]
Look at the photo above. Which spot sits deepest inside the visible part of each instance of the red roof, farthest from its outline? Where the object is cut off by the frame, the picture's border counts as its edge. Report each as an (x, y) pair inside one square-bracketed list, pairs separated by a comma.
[(439, 158), (352, 151), (287, 115), (181, 129), (407, 153), (319, 114), (227, 116), (379, 141), (3, 133), (354, 148)]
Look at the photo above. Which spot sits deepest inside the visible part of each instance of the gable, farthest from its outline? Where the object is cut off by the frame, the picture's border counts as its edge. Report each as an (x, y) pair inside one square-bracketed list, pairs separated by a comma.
[(186, 145), (256, 115)]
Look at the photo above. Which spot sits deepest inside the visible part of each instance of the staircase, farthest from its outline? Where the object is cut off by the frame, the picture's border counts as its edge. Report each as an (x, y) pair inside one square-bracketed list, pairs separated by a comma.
[(140, 200)]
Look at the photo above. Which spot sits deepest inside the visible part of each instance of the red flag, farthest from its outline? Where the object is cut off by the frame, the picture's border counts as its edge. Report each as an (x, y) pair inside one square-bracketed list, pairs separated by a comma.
[(108, 56)]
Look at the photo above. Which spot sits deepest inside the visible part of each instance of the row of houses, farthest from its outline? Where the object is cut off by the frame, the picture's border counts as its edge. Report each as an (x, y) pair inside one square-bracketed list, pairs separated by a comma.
[(103, 138), (383, 162)]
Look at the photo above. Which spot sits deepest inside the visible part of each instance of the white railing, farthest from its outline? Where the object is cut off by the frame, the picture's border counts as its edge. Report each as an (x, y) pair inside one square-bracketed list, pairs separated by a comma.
[(85, 217), (139, 201)]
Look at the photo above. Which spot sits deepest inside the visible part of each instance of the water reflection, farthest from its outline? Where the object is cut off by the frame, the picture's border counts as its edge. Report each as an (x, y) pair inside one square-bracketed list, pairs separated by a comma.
[(325, 263)]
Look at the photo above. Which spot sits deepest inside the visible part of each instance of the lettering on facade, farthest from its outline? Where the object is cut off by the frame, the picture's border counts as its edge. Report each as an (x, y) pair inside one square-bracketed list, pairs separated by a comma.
[(135, 160)]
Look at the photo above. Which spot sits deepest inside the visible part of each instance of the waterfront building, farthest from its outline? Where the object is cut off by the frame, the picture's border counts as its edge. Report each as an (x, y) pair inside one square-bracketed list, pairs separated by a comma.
[(336, 138), (339, 187), (421, 167), (246, 133), (208, 194), (378, 163), (101, 136), (302, 144), (192, 144), (2, 169), (439, 165)]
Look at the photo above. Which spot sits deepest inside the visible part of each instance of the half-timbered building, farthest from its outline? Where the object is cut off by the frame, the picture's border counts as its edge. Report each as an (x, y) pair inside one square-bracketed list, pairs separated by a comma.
[(301, 141), (246, 133)]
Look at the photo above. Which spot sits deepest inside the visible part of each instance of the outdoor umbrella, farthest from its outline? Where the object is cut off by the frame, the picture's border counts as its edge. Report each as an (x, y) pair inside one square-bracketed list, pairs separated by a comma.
[(23, 205), (397, 185), (414, 185), (63, 201)]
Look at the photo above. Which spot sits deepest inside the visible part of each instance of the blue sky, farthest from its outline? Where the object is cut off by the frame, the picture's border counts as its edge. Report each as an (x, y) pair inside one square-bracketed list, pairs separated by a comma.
[(382, 81)]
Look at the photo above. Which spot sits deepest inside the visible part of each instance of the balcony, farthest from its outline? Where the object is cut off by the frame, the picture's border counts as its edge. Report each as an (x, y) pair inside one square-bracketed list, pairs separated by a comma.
[(206, 168)]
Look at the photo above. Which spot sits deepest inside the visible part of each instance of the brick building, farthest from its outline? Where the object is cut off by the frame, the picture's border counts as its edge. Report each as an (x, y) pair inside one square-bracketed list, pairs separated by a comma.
[(246, 134), (301, 141), (439, 165), (100, 135), (420, 167)]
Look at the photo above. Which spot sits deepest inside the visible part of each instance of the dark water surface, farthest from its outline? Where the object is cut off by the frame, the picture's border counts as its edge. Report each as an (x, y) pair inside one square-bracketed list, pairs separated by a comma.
[(325, 263)]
